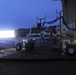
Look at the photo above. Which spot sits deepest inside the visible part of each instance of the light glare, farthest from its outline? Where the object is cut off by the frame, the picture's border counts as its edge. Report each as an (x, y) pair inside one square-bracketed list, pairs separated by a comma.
[(7, 34)]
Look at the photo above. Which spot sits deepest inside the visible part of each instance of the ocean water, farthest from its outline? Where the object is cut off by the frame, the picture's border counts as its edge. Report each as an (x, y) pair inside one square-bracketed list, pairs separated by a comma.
[(6, 43)]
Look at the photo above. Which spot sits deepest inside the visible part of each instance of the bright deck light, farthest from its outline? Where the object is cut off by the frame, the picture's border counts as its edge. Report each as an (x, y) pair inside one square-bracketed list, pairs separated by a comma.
[(7, 34)]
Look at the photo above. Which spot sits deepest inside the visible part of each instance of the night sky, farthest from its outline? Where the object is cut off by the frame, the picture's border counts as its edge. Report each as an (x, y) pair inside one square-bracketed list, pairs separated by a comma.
[(15, 14)]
